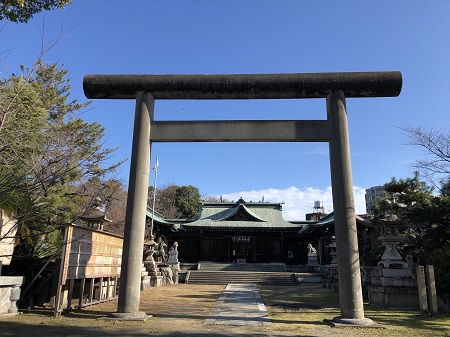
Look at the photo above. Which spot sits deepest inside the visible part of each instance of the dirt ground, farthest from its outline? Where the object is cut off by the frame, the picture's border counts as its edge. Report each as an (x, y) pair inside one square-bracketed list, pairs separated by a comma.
[(182, 309)]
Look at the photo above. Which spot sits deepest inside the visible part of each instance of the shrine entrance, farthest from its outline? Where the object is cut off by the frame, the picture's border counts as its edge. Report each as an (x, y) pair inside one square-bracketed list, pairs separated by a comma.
[(243, 249), (334, 87)]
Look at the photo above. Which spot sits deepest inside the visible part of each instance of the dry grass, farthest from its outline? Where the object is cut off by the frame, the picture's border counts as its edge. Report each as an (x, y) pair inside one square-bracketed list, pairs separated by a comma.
[(181, 310), (303, 311)]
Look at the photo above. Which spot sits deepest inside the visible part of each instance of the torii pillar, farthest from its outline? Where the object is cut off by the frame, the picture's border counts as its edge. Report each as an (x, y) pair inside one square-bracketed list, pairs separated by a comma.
[(349, 274), (335, 87), (133, 245)]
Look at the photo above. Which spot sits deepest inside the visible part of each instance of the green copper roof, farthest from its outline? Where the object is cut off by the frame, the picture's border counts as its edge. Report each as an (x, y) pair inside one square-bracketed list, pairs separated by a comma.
[(328, 221), (157, 217), (210, 213), (242, 214), (238, 224)]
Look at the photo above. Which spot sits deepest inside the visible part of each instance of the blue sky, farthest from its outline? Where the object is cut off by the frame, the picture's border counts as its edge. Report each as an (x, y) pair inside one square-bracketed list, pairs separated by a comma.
[(206, 37)]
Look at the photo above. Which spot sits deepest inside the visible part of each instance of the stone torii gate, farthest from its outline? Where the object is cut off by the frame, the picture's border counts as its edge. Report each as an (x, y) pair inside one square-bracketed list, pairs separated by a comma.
[(335, 87)]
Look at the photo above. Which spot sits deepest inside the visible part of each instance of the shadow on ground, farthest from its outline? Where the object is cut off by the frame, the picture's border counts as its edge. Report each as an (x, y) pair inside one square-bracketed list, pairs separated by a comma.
[(181, 311)]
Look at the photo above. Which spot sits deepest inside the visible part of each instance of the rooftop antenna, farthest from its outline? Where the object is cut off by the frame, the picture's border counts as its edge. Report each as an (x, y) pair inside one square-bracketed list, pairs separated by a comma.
[(155, 168)]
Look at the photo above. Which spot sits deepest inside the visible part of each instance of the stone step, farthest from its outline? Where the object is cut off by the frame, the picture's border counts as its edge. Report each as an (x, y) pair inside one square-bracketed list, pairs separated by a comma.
[(225, 277), (308, 277), (257, 267), (188, 266)]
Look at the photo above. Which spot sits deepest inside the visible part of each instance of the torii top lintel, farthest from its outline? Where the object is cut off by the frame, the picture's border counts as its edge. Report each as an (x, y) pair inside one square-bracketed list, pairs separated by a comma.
[(245, 86)]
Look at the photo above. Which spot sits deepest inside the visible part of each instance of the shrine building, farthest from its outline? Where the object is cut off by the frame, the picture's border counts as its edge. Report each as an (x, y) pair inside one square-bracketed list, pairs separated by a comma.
[(246, 232)]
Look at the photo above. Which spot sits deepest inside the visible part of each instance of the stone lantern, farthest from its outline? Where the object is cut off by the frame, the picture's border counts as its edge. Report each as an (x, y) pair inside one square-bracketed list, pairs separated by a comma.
[(155, 278), (392, 263), (392, 285), (333, 252), (331, 278), (149, 250)]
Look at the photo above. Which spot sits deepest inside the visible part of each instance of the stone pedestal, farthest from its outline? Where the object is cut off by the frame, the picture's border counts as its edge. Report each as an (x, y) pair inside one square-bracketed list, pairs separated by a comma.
[(173, 263), (9, 294), (175, 269), (145, 278), (173, 257), (313, 263), (403, 296), (156, 278), (312, 260), (392, 285)]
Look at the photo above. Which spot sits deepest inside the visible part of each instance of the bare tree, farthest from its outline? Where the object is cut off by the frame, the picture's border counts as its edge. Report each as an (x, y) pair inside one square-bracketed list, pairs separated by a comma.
[(115, 198), (435, 145)]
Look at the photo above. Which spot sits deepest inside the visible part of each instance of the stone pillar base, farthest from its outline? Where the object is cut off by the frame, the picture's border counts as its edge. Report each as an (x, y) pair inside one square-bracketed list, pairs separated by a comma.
[(156, 281), (128, 316), (354, 322)]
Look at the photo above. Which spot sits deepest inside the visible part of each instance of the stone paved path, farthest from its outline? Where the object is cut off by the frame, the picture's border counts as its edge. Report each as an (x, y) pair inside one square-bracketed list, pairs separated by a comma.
[(239, 304)]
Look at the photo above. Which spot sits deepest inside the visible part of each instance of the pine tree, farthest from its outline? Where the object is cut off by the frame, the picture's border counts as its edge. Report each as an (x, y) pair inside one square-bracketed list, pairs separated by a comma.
[(48, 155)]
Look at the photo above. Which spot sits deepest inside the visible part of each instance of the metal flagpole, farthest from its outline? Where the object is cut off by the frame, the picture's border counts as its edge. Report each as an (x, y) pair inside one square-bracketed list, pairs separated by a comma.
[(155, 168)]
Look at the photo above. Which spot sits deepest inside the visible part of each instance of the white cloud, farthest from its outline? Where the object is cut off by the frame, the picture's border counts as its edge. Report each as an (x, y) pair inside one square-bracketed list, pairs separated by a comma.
[(298, 202)]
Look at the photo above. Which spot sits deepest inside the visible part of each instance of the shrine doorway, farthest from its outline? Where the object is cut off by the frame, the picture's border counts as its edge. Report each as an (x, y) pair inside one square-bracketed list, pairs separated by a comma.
[(243, 249)]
